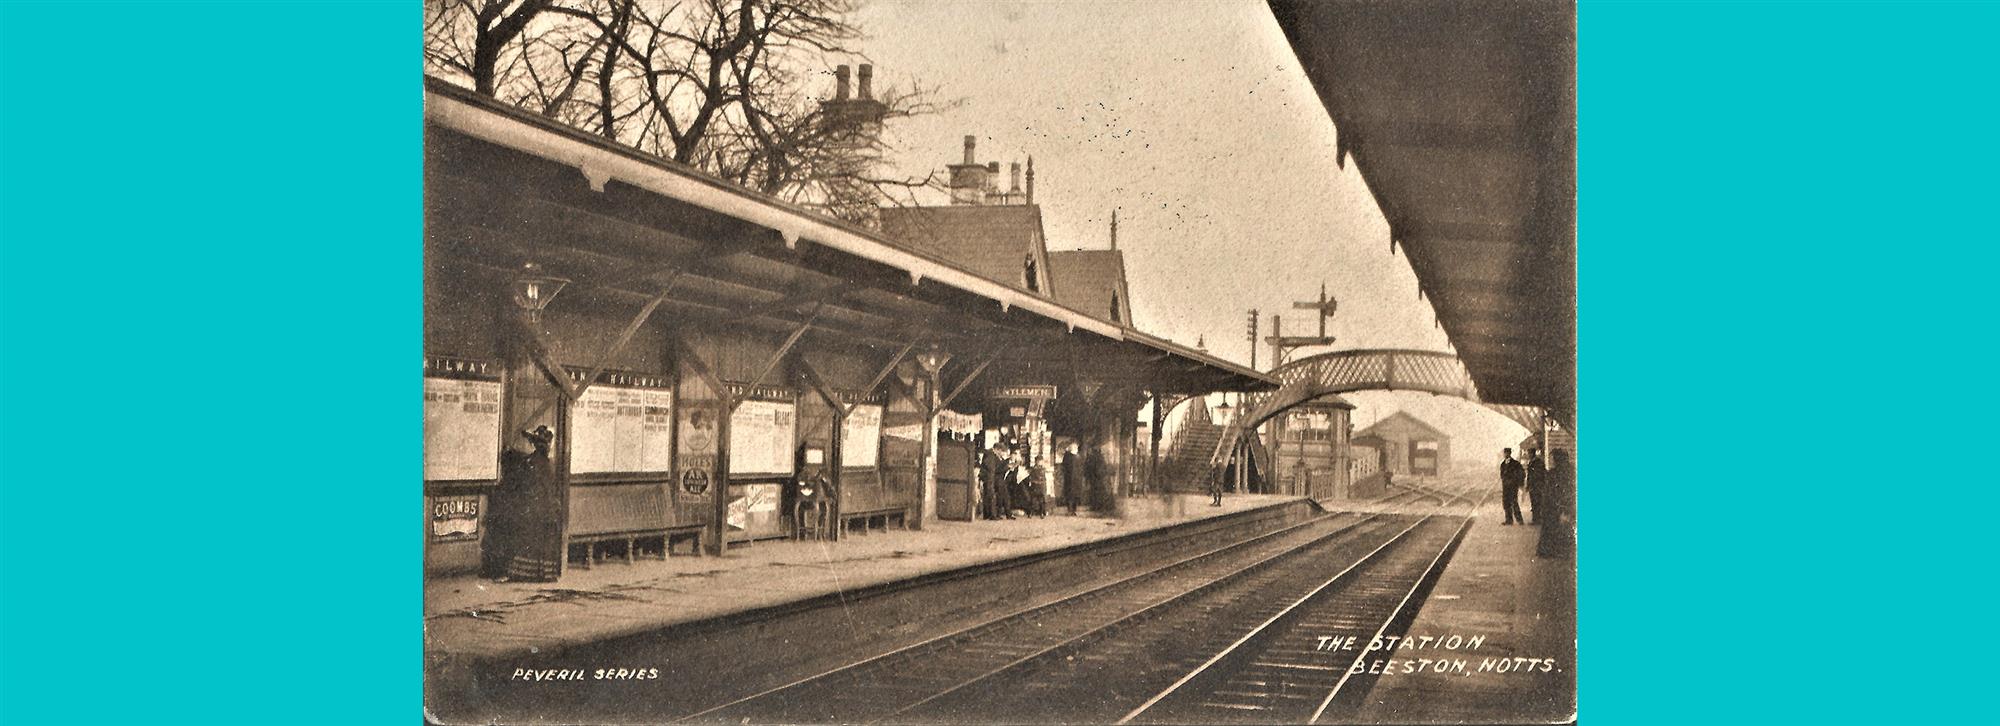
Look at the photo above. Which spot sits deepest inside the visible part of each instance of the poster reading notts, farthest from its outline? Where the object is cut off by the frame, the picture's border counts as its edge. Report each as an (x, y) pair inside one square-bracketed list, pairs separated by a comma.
[(924, 362)]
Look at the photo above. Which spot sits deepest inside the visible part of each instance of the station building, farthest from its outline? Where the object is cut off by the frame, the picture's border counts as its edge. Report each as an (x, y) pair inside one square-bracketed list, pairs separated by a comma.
[(1404, 445), (705, 358)]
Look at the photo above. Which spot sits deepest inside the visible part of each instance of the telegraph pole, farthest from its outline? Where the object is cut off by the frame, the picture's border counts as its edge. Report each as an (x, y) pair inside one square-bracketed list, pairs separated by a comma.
[(1253, 339)]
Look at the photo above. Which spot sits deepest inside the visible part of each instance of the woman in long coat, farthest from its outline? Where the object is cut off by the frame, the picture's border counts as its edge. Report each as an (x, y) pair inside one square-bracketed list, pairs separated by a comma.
[(524, 539)]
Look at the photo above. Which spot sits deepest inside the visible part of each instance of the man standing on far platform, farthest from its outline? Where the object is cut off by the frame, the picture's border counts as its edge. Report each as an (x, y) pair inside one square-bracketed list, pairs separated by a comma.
[(993, 501), (1512, 476)]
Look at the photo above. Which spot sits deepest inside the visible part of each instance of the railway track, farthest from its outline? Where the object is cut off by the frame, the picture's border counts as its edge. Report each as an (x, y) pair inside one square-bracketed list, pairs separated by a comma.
[(1131, 675), (978, 674), (919, 675), (1282, 671)]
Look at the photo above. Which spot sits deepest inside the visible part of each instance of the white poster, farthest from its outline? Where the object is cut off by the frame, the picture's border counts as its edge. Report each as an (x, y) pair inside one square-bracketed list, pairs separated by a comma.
[(621, 429), (760, 438), (461, 429), (861, 437)]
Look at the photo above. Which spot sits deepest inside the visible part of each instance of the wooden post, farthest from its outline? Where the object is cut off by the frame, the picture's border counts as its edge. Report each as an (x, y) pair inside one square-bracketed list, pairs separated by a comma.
[(926, 479), (833, 457), (720, 542)]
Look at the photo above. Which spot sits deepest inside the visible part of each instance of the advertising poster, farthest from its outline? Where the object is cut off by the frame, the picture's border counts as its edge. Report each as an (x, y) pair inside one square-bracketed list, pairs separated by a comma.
[(697, 449), (461, 428), (761, 435), (861, 437), (621, 429)]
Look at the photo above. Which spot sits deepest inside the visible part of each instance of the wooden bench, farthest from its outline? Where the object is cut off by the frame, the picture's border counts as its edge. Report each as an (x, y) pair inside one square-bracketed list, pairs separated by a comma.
[(868, 518), (593, 544)]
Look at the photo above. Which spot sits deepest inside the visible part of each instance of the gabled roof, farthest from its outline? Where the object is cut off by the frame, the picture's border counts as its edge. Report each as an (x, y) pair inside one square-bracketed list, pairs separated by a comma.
[(992, 241), (1092, 281), (1373, 430)]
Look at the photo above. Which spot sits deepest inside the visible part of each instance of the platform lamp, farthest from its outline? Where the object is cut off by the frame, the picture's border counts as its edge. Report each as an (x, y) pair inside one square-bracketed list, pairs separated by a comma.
[(533, 288), (933, 360)]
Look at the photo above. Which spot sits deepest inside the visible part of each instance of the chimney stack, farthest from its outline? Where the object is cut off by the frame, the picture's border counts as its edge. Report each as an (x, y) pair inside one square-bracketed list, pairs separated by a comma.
[(969, 140), (866, 77), (1015, 169), (1031, 180), (840, 83)]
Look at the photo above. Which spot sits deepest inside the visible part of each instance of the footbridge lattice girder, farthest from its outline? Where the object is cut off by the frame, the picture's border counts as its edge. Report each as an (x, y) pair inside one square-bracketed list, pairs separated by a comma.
[(1348, 371)]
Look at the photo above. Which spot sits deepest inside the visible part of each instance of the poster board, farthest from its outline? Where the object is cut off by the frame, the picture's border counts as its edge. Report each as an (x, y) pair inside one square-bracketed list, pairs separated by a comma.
[(861, 438), (697, 444), (761, 436), (461, 419), (622, 428)]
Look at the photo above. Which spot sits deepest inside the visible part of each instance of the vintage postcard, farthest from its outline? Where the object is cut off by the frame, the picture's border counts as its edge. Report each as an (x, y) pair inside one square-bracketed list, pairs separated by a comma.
[(828, 361)]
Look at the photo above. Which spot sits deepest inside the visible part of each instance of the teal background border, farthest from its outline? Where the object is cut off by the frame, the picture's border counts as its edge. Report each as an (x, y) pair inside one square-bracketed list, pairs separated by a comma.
[(210, 227), (1786, 499), (210, 219)]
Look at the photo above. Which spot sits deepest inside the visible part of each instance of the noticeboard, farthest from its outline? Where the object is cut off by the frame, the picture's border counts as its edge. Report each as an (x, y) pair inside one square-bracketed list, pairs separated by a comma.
[(622, 428), (461, 419), (761, 436), (861, 437)]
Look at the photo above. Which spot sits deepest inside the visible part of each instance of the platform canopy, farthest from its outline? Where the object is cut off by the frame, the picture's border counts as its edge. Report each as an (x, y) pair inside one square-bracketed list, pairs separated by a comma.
[(503, 187), (1461, 115)]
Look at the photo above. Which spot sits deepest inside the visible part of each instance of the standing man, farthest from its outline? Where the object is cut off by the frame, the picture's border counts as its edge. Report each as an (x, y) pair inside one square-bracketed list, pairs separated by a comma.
[(1537, 476), (1094, 473), (1512, 476), (1558, 536), (992, 465), (1072, 476)]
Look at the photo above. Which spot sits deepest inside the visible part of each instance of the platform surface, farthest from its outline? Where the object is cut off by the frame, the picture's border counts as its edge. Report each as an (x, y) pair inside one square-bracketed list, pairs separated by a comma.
[(1524, 606), (480, 618)]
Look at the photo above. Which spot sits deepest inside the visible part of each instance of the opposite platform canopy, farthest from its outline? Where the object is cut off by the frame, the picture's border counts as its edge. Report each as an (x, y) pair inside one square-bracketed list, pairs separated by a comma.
[(1461, 116), (503, 186)]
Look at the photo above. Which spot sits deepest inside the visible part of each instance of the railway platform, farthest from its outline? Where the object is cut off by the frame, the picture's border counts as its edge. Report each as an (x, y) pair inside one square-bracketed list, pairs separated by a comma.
[(472, 617), (1522, 606)]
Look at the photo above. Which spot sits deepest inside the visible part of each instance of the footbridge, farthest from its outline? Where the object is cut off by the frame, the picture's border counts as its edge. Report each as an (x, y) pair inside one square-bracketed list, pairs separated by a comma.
[(1346, 371)]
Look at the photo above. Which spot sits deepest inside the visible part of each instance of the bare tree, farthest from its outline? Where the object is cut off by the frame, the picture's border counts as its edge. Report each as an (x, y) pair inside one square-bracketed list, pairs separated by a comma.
[(723, 85)]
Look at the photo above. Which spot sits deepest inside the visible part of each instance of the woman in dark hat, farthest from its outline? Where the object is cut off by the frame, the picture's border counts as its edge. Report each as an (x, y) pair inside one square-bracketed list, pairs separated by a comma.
[(524, 540)]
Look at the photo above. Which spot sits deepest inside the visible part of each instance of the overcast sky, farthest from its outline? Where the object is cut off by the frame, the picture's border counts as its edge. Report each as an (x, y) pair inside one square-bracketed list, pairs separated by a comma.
[(1195, 121)]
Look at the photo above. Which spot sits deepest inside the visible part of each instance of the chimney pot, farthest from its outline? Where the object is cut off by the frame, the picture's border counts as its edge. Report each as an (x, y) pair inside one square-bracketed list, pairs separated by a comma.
[(1016, 169), (866, 78), (992, 167), (840, 83), (969, 140), (1031, 180)]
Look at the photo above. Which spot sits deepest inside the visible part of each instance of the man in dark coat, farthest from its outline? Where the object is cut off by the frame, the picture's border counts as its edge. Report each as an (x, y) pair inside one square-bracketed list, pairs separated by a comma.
[(1512, 476), (1558, 537), (1535, 476), (1072, 476), (992, 487)]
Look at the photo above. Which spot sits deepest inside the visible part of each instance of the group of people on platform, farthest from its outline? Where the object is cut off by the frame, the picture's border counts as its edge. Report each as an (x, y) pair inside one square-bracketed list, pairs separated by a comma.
[(1551, 494), (1011, 482)]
